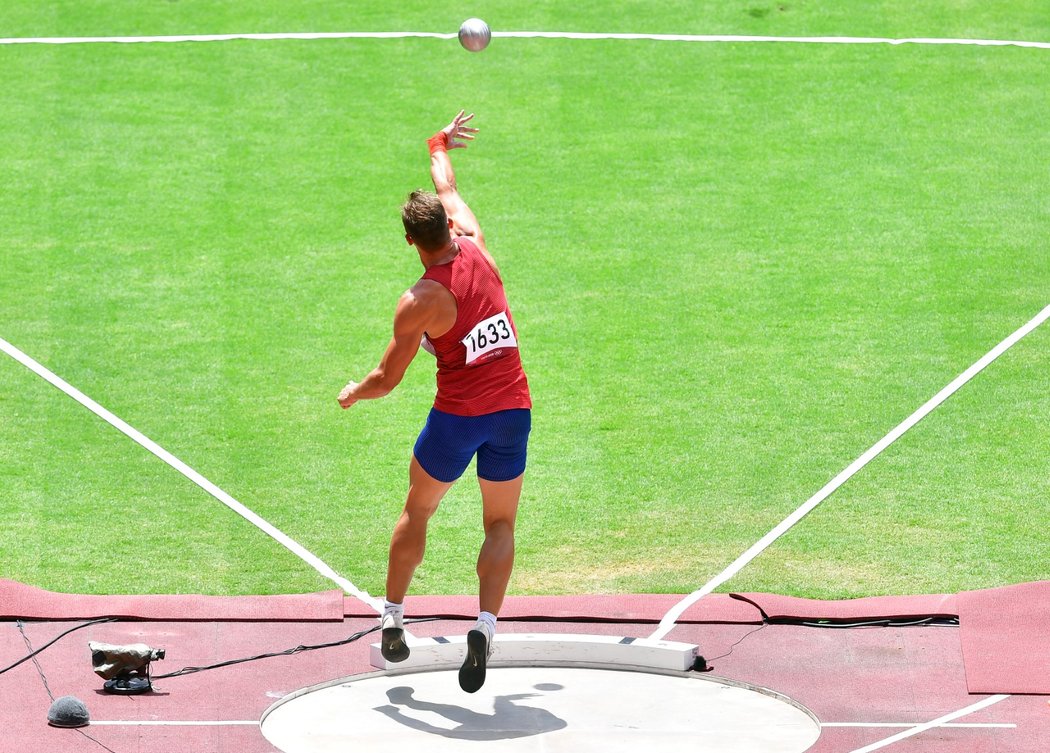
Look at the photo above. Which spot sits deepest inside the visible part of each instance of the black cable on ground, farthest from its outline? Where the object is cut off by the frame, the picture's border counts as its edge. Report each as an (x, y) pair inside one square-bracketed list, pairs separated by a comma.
[(287, 652), (746, 635), (925, 621), (54, 640), (191, 670), (889, 622)]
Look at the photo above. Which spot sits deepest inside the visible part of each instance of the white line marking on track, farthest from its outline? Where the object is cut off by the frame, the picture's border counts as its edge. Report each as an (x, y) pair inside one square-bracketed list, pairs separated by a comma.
[(909, 725), (669, 619), (293, 546), (938, 722), (239, 723), (701, 38), (249, 723)]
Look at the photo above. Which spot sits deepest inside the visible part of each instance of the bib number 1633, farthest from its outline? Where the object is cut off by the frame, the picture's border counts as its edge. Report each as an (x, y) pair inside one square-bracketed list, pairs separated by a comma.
[(489, 335)]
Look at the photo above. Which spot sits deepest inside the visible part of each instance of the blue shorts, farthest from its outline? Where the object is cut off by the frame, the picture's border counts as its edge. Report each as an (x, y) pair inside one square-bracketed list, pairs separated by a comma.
[(448, 443)]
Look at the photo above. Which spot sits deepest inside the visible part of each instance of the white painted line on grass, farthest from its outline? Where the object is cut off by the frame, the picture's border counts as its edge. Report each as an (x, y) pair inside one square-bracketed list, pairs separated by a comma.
[(909, 725), (702, 38), (227, 37), (116, 422), (939, 722), (669, 619), (750, 38)]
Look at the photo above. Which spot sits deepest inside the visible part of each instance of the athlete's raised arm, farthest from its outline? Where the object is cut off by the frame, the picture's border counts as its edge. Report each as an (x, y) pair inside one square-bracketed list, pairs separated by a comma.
[(454, 136)]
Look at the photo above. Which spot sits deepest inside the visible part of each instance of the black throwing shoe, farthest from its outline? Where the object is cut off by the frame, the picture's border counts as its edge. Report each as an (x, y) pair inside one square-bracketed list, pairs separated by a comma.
[(472, 673), (393, 644)]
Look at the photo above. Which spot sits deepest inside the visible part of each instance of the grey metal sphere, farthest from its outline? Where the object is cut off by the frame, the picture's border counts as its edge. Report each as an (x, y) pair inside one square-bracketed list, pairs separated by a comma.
[(68, 711), (474, 34)]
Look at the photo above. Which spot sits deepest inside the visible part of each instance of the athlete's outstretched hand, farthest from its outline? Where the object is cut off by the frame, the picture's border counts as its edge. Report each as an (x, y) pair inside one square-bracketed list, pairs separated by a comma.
[(458, 129)]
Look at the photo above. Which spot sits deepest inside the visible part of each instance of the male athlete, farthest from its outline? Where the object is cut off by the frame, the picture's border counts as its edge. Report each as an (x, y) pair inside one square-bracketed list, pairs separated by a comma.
[(458, 311)]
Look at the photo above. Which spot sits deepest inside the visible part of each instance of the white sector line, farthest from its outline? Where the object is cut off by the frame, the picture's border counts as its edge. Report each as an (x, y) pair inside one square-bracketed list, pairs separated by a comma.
[(668, 622), (293, 546)]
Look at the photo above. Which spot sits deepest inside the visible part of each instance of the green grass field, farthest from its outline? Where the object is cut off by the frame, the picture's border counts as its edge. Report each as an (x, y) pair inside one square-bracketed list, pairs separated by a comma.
[(734, 268)]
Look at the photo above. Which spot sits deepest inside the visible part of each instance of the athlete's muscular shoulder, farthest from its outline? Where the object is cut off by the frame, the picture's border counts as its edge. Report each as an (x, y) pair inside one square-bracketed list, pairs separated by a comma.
[(426, 306)]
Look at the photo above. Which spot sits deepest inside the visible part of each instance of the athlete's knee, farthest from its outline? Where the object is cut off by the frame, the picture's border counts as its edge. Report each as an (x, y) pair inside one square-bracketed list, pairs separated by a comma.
[(497, 553), (499, 532), (412, 526)]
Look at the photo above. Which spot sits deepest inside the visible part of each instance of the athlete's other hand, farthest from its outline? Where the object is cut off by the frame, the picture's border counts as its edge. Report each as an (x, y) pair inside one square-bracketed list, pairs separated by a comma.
[(344, 397), (458, 129)]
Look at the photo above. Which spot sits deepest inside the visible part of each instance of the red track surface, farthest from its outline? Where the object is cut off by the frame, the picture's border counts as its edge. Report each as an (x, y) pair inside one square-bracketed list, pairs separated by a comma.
[(874, 675)]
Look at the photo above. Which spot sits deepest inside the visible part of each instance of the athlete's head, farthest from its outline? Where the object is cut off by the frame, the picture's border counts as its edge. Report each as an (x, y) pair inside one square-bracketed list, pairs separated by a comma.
[(426, 224)]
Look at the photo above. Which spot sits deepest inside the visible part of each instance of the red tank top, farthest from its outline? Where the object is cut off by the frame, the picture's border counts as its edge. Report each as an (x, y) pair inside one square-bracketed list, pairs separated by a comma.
[(479, 365)]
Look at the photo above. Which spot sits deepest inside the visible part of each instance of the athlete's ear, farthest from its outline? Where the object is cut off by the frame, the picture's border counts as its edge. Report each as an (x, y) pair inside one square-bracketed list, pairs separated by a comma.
[(409, 239), (450, 224)]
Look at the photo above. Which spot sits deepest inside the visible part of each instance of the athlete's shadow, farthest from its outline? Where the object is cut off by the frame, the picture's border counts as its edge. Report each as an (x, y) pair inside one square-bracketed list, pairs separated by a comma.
[(507, 721)]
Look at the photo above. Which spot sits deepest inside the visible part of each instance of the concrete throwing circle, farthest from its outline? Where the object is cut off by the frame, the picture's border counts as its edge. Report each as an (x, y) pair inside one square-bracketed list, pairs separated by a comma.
[(548, 709)]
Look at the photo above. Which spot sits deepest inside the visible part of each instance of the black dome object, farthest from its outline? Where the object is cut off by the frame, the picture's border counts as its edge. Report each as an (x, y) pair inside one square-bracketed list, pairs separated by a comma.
[(68, 711)]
